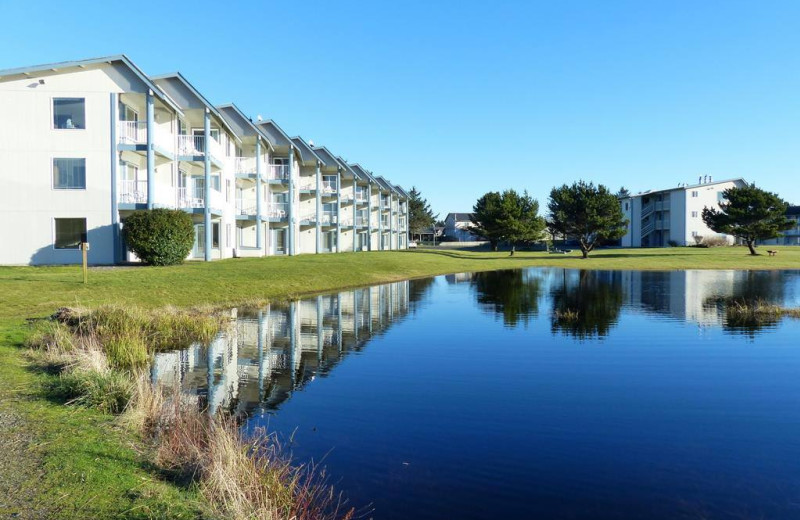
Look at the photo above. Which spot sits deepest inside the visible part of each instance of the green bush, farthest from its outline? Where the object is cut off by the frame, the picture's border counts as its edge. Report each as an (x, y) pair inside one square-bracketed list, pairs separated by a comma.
[(108, 392), (159, 236)]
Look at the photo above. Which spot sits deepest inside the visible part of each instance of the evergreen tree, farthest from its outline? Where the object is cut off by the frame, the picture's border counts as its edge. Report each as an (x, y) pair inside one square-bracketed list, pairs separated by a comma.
[(420, 215), (507, 216), (749, 213), (586, 213)]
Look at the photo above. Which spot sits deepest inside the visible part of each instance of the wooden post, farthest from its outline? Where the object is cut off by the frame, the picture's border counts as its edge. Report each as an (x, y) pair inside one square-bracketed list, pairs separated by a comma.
[(85, 254)]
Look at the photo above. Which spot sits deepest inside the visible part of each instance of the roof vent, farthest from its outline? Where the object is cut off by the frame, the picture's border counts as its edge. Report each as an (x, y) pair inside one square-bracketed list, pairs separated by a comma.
[(259, 118)]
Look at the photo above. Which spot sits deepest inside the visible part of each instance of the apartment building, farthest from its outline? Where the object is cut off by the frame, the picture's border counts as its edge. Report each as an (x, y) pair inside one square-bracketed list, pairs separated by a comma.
[(659, 218), (87, 142)]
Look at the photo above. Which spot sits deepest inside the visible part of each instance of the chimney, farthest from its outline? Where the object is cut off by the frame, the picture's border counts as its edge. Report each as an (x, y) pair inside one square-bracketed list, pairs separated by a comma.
[(699, 180), (709, 178)]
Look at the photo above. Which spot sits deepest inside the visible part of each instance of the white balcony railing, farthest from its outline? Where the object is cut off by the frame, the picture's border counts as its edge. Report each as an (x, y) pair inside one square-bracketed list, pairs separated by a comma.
[(191, 144), (362, 221), (132, 192), (347, 221), (328, 218), (328, 186), (132, 132), (278, 171), (361, 197), (278, 209), (196, 145), (191, 197), (245, 164), (245, 206)]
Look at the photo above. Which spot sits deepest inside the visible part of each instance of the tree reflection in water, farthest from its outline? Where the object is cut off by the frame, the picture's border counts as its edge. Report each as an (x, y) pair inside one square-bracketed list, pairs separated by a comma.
[(588, 305), (512, 294)]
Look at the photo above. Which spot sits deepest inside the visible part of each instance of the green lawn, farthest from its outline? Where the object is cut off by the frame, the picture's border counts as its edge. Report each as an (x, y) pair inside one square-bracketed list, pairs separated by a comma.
[(91, 466)]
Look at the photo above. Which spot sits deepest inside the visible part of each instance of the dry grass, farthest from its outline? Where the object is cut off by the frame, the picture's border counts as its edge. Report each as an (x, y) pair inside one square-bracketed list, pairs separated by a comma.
[(759, 310), (566, 315)]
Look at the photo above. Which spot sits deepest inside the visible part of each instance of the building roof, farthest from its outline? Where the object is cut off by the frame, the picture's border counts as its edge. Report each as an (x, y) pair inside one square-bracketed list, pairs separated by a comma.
[(275, 133), (168, 79), (240, 122), (460, 217), (328, 159), (365, 175), (685, 186), (80, 64), (346, 169), (307, 154), (383, 183)]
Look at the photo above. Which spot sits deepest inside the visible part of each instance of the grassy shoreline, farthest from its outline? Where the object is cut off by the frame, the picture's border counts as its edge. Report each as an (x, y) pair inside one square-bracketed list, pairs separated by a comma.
[(94, 468)]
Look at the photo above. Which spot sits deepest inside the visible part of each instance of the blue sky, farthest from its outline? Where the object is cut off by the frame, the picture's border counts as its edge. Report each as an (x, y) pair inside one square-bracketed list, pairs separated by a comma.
[(459, 98)]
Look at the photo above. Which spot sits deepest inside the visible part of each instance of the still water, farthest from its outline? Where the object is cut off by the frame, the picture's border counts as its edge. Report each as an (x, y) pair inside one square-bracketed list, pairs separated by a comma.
[(538, 393)]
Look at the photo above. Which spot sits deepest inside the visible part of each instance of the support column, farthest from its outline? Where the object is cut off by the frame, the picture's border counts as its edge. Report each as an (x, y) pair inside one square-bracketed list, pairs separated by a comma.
[(319, 209), (259, 209), (338, 210), (355, 214), (207, 177), (291, 218), (151, 160), (369, 216), (380, 220), (115, 221), (391, 220)]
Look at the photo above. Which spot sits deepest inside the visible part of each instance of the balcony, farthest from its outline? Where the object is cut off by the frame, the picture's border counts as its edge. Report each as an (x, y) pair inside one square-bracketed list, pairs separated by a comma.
[(278, 210), (134, 133), (132, 192), (346, 198), (308, 184), (328, 219), (246, 207), (194, 198), (245, 165), (361, 198), (362, 221), (195, 145), (329, 187), (278, 172)]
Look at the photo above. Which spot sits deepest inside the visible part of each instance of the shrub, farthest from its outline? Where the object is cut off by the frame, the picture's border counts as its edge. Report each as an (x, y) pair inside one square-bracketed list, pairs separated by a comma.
[(672, 243), (107, 391), (159, 236), (716, 241)]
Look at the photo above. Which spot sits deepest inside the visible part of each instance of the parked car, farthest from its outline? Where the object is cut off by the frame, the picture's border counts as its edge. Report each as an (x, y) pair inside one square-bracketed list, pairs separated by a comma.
[(412, 245)]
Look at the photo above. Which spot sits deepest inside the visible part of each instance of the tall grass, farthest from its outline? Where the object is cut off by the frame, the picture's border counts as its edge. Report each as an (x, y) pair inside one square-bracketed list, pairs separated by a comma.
[(100, 357)]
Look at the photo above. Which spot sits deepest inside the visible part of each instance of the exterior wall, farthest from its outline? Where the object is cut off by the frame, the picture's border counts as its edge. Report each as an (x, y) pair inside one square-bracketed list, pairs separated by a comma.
[(707, 195), (29, 143)]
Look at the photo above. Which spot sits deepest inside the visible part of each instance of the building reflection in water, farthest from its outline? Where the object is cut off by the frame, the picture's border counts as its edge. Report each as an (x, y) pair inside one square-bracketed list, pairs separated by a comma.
[(269, 353)]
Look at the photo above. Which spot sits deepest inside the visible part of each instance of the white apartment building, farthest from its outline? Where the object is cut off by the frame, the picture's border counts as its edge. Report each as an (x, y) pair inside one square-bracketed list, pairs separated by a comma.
[(85, 143), (659, 218)]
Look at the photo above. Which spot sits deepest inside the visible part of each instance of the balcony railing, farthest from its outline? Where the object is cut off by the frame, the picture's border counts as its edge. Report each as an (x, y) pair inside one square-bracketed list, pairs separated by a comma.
[(308, 184), (278, 171), (245, 206), (196, 145), (329, 187), (191, 197), (245, 164), (347, 221), (361, 197), (277, 209), (133, 132), (362, 221), (328, 218), (132, 192)]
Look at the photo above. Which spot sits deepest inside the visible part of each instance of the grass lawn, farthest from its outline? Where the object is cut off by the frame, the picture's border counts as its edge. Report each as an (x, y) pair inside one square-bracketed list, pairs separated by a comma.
[(90, 467)]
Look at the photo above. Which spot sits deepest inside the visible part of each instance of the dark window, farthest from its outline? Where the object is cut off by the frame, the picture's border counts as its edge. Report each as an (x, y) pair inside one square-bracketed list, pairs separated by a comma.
[(69, 232), (69, 113), (69, 174), (215, 235)]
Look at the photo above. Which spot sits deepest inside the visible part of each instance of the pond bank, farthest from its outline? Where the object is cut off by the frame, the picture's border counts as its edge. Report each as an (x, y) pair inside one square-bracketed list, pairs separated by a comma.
[(87, 456)]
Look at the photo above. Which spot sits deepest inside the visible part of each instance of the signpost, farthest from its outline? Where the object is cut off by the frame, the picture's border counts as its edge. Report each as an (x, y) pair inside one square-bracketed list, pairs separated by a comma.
[(85, 254)]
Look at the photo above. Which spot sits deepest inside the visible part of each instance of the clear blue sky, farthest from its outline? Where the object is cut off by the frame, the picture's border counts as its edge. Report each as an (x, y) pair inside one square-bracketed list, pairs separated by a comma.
[(459, 98)]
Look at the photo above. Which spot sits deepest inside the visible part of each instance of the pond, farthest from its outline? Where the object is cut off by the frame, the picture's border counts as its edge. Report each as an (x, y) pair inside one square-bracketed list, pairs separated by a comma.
[(537, 393)]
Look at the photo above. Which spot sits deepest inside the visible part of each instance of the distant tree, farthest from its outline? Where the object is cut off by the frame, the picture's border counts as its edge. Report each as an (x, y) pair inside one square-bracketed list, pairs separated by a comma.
[(623, 193), (749, 213), (420, 215), (159, 236), (507, 216), (586, 213)]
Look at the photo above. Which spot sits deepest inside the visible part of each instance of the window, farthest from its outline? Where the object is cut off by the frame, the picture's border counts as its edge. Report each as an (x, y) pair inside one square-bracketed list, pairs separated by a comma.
[(695, 194), (279, 239), (69, 174), (721, 197), (216, 182), (694, 214), (69, 113), (626, 206), (126, 113), (329, 241), (215, 235), (228, 233), (69, 232)]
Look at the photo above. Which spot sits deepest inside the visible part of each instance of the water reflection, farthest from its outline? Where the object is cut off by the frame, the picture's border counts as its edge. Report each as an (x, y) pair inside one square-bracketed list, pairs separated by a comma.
[(512, 294), (586, 304), (272, 352)]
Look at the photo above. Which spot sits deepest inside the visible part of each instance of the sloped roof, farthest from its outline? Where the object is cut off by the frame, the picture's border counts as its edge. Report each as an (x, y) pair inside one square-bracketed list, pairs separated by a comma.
[(327, 157), (80, 64), (167, 79), (307, 154), (460, 217), (275, 133), (236, 118)]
